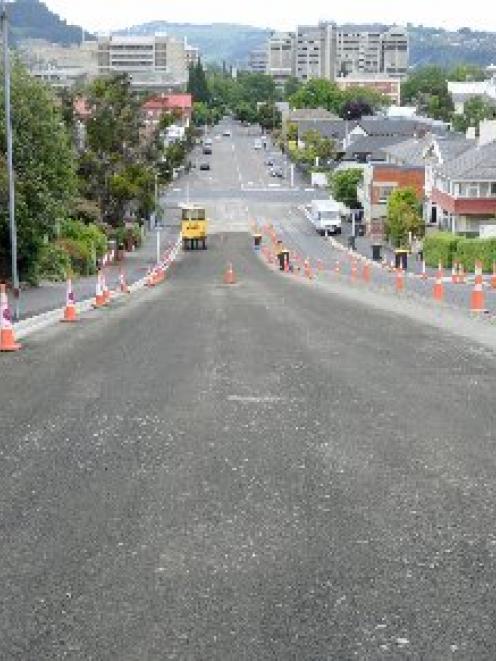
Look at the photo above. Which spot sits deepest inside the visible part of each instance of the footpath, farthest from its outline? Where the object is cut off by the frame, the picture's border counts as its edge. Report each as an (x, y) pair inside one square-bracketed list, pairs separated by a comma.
[(51, 295)]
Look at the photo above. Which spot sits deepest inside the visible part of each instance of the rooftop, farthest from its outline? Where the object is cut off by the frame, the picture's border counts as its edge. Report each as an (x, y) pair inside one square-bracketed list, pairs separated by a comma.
[(475, 164)]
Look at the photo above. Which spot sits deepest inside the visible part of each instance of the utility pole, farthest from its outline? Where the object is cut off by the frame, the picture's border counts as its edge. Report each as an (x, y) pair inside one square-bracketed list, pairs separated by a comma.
[(10, 166)]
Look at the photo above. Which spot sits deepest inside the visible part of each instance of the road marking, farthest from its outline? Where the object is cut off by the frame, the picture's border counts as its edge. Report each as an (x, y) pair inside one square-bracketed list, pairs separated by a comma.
[(254, 400), (274, 185), (309, 190), (176, 190)]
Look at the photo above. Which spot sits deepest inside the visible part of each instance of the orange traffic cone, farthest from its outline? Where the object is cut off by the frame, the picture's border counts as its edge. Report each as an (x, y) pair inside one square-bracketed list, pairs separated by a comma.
[(366, 272), (438, 290), (105, 289), (354, 270), (286, 264), (493, 277), (150, 278), (307, 269), (229, 277), (454, 273), (477, 298), (400, 280), (7, 337), (99, 297), (70, 313), (123, 284)]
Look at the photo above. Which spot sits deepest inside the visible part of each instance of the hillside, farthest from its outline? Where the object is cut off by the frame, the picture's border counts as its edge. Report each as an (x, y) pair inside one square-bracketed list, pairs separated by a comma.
[(31, 19), (233, 43), (217, 41)]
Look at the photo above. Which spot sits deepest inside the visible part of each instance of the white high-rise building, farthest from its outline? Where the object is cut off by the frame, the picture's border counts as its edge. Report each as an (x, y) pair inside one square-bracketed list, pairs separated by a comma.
[(281, 54), (153, 63)]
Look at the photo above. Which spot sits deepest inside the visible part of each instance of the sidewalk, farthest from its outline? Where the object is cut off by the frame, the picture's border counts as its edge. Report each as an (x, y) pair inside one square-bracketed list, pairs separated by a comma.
[(51, 295)]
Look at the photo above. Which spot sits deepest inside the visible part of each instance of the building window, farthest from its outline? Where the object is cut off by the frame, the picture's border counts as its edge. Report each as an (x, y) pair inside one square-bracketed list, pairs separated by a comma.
[(493, 190), (384, 193)]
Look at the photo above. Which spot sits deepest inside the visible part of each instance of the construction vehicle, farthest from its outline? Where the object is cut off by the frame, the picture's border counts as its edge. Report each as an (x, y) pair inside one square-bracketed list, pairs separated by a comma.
[(193, 227)]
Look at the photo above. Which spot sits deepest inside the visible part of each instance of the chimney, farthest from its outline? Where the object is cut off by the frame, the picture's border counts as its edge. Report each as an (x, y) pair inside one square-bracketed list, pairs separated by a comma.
[(470, 135), (487, 132)]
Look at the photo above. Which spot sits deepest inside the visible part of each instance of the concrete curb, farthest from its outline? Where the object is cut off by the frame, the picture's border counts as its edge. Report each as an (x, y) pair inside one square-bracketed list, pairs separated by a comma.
[(38, 322)]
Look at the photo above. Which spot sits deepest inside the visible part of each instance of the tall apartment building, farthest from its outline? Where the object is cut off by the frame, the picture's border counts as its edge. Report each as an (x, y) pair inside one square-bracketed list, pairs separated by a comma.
[(281, 56), (154, 63), (257, 62), (328, 51)]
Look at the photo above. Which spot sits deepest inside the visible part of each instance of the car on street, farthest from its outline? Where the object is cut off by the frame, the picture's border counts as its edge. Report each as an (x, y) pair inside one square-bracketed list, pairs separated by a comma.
[(276, 171), (257, 144), (226, 133), (207, 150), (205, 165), (270, 162)]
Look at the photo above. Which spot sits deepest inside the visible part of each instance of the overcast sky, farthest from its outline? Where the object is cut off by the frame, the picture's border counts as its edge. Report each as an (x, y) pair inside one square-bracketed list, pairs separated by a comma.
[(103, 15)]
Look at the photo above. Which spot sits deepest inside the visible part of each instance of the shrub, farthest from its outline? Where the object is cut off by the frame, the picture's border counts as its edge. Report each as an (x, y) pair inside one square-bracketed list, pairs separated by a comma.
[(80, 254), (54, 263), (471, 250), (92, 236), (440, 247)]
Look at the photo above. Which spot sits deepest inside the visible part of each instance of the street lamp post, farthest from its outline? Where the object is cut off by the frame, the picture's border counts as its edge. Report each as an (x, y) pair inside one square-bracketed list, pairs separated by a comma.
[(10, 167)]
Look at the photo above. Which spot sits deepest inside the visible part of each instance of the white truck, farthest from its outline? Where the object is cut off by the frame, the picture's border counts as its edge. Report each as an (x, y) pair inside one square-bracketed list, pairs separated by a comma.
[(326, 216)]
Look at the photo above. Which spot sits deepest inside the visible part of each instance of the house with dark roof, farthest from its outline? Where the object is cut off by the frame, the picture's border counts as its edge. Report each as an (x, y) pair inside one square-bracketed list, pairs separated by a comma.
[(370, 149)]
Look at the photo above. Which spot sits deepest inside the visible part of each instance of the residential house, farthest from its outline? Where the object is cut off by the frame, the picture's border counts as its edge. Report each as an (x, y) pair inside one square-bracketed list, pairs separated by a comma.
[(464, 190), (379, 181), (369, 149), (430, 152), (180, 105)]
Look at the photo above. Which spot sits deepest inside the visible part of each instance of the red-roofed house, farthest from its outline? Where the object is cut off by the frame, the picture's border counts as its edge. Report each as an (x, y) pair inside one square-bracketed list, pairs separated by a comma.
[(181, 105)]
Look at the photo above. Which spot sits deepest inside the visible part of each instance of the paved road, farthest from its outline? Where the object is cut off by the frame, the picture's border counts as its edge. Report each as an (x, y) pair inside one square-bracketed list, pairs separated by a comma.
[(272, 470), (248, 472)]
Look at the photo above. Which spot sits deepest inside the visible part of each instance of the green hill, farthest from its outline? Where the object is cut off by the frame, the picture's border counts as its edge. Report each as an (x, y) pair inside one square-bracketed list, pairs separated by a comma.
[(217, 41), (31, 19)]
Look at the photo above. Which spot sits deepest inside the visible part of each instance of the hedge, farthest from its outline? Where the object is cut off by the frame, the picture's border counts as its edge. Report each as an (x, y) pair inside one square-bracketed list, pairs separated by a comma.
[(446, 248), (440, 247), (471, 250)]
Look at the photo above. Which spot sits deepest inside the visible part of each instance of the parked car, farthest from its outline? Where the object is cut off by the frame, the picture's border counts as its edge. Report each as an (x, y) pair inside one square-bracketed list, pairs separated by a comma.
[(226, 133), (257, 144), (205, 165), (270, 162), (207, 150), (276, 171)]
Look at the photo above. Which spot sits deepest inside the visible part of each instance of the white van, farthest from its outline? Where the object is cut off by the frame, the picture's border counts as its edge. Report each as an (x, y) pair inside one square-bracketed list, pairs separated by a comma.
[(325, 216), (257, 144)]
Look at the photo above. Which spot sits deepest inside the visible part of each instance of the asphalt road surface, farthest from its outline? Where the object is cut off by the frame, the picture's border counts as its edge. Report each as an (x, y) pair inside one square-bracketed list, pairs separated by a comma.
[(267, 470)]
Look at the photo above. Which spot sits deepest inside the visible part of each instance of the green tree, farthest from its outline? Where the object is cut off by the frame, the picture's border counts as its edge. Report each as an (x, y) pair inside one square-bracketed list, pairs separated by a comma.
[(343, 185), (44, 164), (291, 86), (403, 216), (475, 111), (466, 72), (256, 87), (427, 88), (197, 83), (318, 93), (315, 147), (359, 101), (268, 116)]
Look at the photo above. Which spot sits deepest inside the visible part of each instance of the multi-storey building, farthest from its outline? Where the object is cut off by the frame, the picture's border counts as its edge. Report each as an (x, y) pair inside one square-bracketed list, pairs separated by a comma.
[(152, 63), (257, 62), (328, 51), (281, 56)]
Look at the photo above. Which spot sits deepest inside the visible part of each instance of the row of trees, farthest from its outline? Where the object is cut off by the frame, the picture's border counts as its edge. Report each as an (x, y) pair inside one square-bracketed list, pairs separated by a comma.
[(58, 186), (427, 89), (352, 103)]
